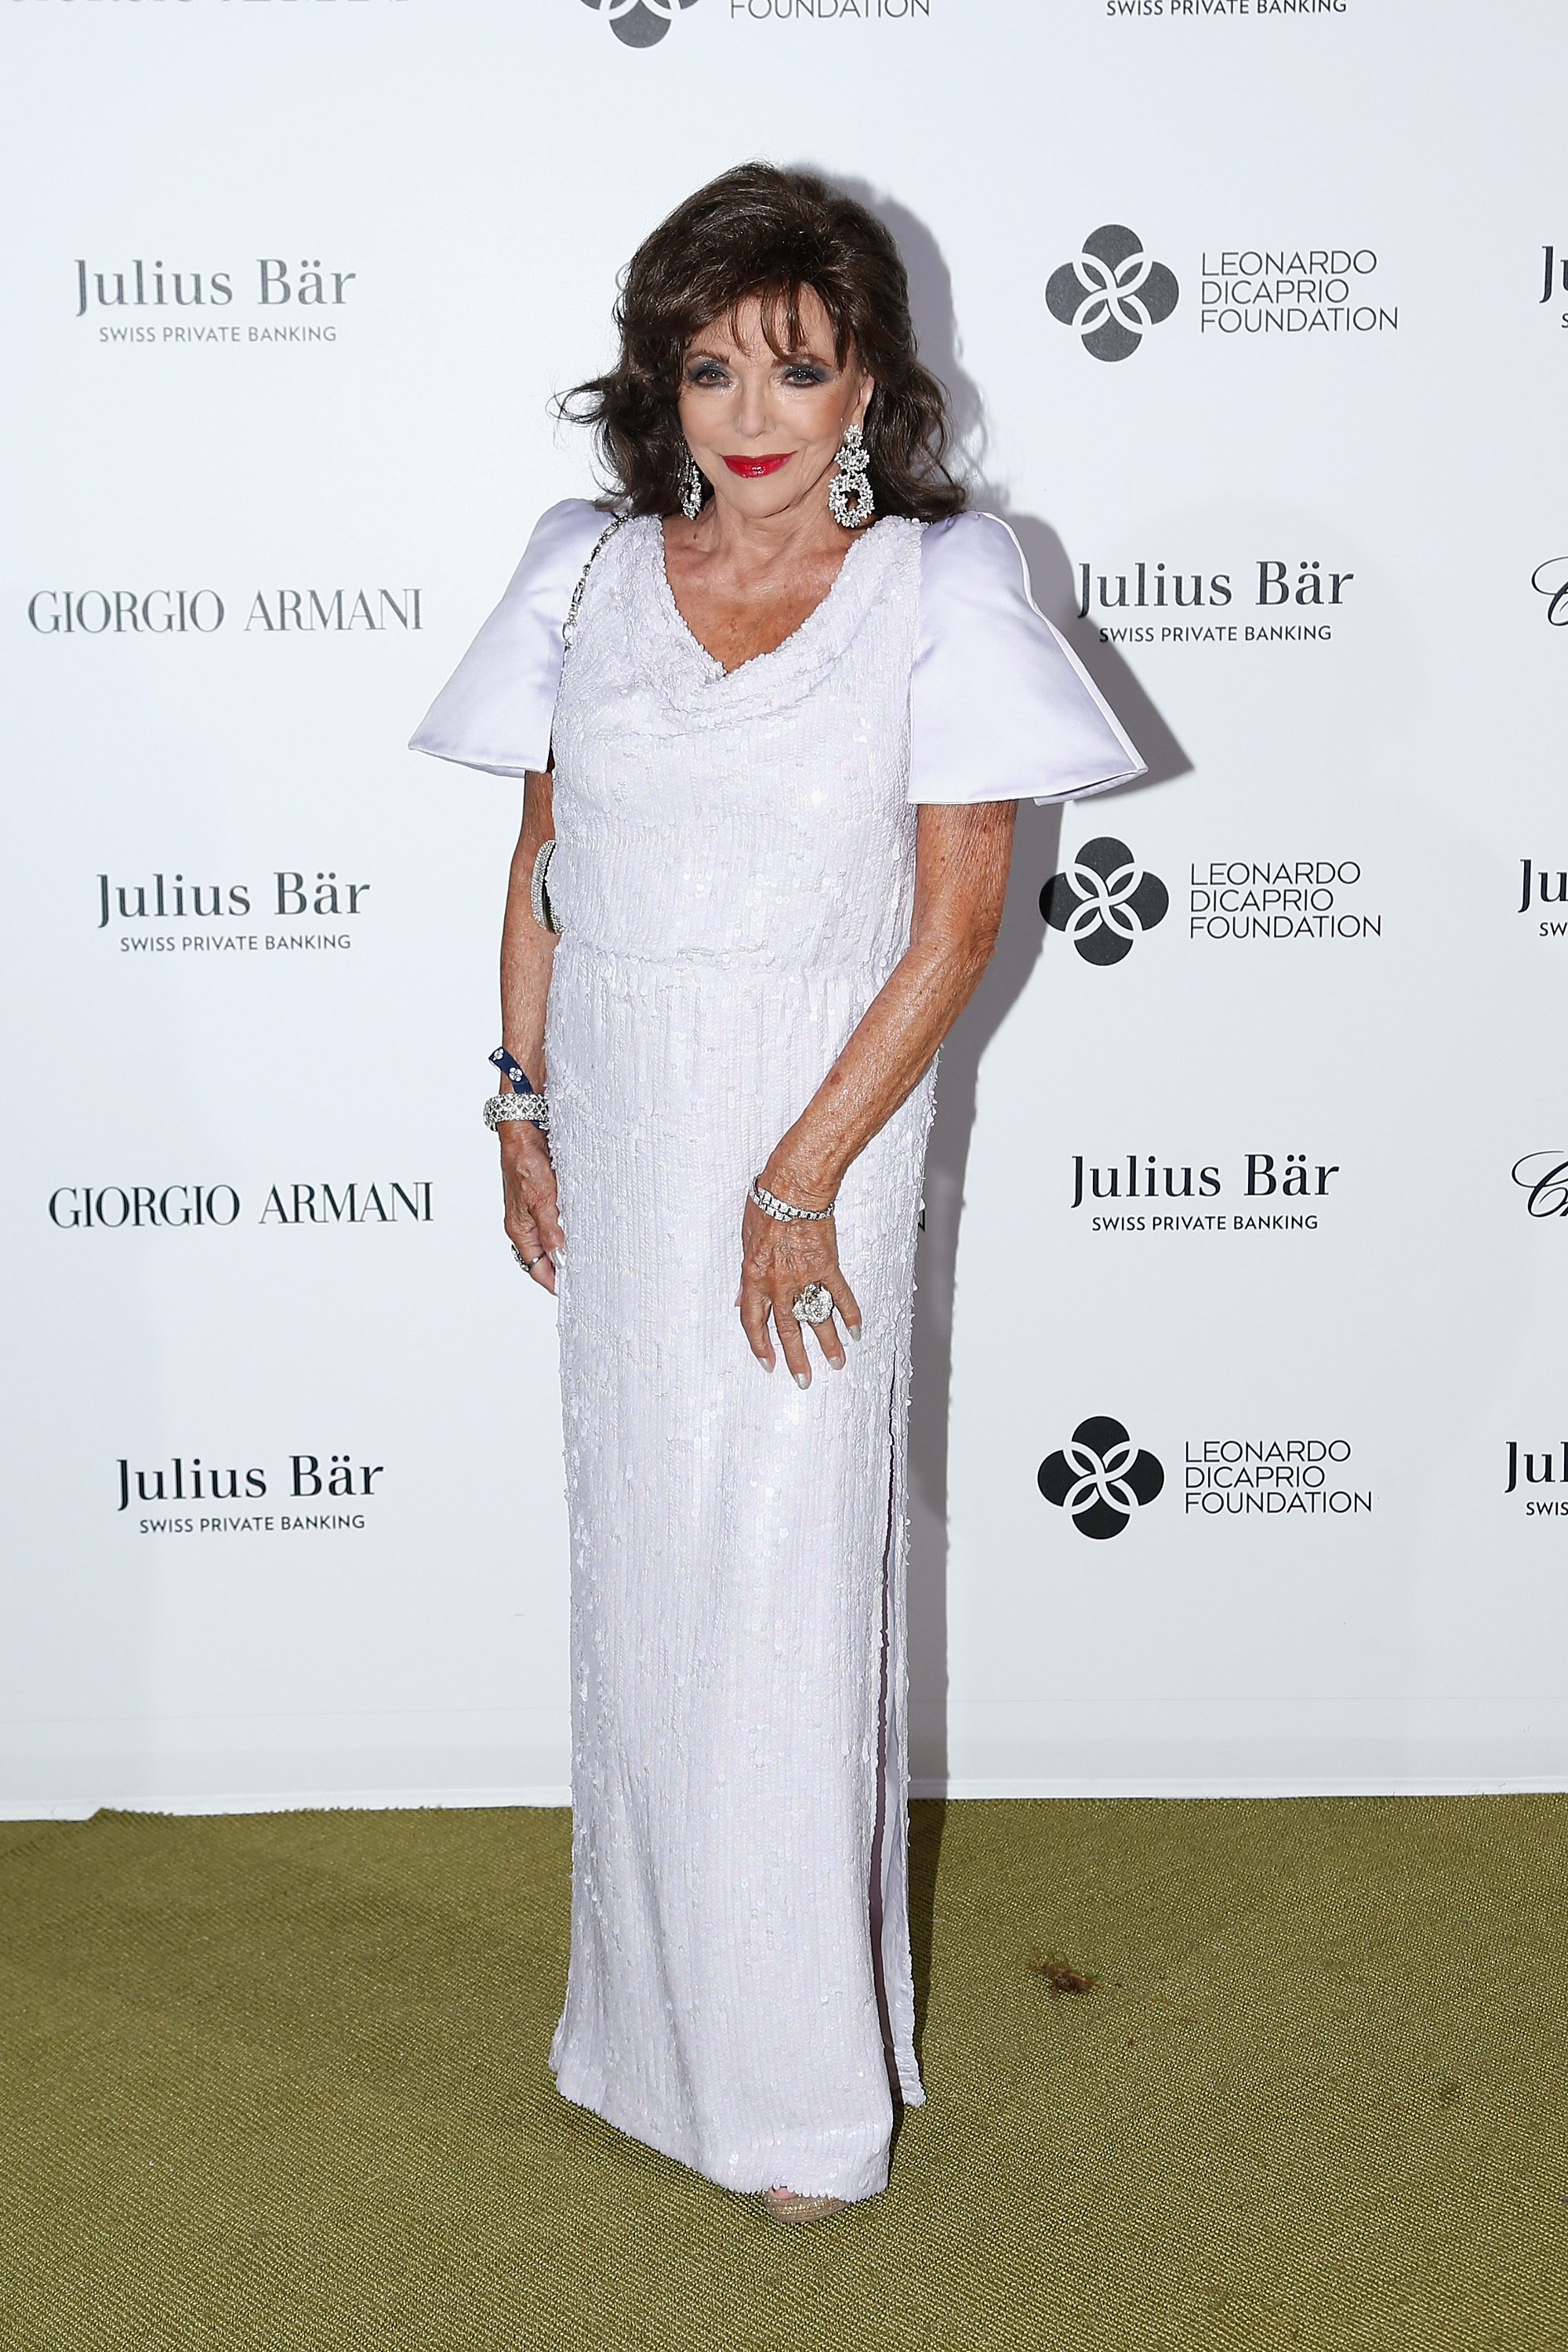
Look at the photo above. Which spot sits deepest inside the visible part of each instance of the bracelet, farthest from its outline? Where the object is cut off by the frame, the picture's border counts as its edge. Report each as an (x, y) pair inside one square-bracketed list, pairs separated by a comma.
[(539, 890), (534, 1108), (782, 1210), (522, 1102)]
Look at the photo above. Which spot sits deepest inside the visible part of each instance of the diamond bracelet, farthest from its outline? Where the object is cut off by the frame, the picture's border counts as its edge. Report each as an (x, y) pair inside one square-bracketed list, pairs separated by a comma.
[(535, 1108), (783, 1209)]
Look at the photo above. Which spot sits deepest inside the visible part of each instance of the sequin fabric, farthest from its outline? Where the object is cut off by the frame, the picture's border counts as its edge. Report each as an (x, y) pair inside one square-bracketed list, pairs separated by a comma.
[(732, 882)]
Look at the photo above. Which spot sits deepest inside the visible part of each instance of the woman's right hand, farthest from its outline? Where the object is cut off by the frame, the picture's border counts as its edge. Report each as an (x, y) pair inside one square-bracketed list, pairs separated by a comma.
[(528, 1184)]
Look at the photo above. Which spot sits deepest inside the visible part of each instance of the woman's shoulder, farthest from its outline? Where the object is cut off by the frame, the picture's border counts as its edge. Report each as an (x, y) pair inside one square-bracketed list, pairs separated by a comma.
[(1001, 707), (559, 545), (495, 710), (971, 556)]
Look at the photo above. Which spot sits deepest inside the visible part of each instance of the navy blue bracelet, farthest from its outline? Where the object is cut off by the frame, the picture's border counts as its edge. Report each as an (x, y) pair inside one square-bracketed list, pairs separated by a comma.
[(522, 1084), (521, 1103)]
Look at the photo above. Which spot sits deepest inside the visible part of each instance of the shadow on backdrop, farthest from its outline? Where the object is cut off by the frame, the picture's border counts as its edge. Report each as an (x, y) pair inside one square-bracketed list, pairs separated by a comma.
[(1035, 859)]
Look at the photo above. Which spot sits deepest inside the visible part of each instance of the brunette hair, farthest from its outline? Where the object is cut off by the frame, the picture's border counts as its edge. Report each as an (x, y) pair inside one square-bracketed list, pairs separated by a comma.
[(759, 232)]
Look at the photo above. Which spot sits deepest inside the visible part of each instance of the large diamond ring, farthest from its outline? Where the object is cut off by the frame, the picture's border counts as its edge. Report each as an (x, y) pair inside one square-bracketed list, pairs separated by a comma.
[(813, 1305)]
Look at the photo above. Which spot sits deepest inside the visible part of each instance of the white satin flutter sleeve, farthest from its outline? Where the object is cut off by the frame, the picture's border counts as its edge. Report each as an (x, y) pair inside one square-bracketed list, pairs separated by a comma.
[(495, 710), (1000, 707)]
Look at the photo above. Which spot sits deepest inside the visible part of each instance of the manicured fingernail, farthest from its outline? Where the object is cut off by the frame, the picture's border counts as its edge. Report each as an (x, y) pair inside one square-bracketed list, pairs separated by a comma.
[(802, 1379), (854, 1332), (834, 1363), (766, 1363)]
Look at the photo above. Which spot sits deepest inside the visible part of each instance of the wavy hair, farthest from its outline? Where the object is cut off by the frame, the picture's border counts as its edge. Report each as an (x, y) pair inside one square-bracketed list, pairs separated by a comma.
[(761, 233)]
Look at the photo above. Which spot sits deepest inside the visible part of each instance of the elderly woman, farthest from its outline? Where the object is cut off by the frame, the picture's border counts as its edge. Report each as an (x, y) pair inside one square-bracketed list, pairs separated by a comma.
[(773, 707)]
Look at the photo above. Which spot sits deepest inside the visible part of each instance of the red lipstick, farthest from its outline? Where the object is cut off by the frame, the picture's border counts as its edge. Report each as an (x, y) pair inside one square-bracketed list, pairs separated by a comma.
[(751, 469)]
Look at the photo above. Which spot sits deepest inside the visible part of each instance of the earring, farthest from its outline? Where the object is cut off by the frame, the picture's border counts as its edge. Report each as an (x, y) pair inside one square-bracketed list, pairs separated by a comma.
[(849, 499), (693, 487)]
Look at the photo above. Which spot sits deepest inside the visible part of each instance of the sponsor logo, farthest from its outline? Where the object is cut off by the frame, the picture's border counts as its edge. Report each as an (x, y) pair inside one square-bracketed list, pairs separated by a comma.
[(640, 23), (1124, 11), (113, 1208), (1173, 1199), (1112, 293), (1296, 291), (182, 612), (1276, 1477), (1556, 272), (199, 299), (1272, 583), (169, 899), (79, 1208), (831, 12), (1283, 898), (1101, 1478), (1551, 579), (1547, 1468), (1543, 1178), (1538, 888), (1104, 901), (189, 1496)]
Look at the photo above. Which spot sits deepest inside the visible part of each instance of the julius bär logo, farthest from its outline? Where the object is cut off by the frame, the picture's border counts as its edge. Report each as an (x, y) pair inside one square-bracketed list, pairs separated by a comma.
[(1551, 579), (1547, 1468), (187, 1495), (1553, 264), (1104, 901), (640, 23), (1100, 1477), (1538, 888), (1112, 294)]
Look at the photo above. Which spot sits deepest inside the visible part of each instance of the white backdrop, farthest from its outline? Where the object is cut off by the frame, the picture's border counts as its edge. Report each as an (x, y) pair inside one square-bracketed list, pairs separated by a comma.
[(404, 219)]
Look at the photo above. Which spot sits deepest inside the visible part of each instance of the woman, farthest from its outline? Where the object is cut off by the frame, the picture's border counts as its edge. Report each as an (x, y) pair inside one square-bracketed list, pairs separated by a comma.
[(779, 754)]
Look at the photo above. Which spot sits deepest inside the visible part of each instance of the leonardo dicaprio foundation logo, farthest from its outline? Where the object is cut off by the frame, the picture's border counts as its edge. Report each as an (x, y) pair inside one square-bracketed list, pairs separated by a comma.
[(1104, 901), (1112, 293), (1101, 1478), (640, 23)]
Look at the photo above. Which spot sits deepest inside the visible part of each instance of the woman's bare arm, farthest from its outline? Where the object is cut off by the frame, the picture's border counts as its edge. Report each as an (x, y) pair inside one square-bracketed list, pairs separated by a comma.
[(527, 955), (963, 855)]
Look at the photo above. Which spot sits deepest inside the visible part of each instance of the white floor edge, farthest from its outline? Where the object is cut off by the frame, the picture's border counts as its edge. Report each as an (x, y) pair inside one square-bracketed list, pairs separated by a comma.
[(295, 1800)]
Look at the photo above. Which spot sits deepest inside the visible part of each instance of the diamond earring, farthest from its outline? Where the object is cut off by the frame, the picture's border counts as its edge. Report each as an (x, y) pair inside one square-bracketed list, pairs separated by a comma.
[(693, 487), (849, 499)]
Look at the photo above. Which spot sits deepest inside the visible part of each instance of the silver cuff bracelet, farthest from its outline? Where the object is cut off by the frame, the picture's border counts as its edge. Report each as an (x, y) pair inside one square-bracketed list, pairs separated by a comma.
[(537, 895), (534, 1108), (782, 1210)]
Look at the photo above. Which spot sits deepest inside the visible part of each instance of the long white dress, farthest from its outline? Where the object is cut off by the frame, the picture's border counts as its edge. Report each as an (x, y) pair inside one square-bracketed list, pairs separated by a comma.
[(732, 882)]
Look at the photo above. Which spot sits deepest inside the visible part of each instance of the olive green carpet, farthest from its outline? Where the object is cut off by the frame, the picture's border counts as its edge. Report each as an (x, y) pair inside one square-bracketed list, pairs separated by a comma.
[(279, 2082)]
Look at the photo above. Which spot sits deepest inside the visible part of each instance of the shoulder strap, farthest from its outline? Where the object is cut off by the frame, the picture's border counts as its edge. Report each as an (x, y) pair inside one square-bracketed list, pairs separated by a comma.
[(569, 625)]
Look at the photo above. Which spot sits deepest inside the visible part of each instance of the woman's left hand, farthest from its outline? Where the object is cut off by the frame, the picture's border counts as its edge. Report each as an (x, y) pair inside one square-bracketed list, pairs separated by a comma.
[(962, 856), (777, 1261)]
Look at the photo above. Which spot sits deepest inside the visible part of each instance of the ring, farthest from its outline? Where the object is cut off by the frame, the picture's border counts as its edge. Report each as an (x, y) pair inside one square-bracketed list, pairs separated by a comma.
[(527, 1263), (813, 1305)]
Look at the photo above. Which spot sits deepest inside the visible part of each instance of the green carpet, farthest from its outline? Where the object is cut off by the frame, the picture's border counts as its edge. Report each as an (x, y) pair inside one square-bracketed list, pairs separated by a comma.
[(279, 2082)]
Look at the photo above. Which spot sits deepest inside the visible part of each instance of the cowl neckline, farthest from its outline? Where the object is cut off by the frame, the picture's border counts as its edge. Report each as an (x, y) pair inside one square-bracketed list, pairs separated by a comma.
[(686, 676)]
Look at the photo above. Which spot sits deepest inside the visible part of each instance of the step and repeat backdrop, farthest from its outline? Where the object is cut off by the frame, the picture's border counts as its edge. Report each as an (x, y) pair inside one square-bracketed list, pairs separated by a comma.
[(1240, 1442)]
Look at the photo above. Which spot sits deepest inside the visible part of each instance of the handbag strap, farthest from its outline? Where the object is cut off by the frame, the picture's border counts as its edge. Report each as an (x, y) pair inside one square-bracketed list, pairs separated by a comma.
[(569, 625)]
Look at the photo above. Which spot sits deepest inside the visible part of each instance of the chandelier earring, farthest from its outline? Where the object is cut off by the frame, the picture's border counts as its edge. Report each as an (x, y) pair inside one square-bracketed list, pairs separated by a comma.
[(692, 488), (849, 498)]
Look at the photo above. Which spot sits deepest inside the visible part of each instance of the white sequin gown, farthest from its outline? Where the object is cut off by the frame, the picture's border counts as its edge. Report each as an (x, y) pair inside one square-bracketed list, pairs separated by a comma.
[(732, 880)]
